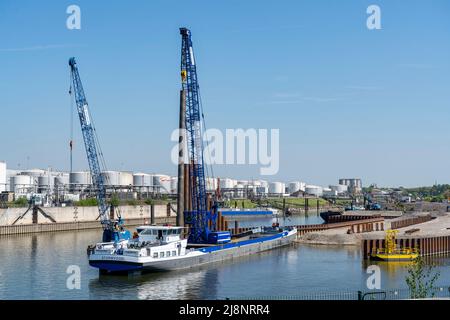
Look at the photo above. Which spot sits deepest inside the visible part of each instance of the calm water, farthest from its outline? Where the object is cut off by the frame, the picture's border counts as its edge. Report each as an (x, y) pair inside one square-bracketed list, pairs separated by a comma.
[(34, 267)]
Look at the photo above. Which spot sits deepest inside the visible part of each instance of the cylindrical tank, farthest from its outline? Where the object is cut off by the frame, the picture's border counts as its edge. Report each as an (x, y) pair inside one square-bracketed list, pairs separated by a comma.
[(173, 184), (211, 184), (329, 192), (255, 183), (111, 178), (294, 187), (163, 181), (226, 183), (22, 183), (33, 172), (125, 178), (264, 183), (61, 180), (80, 177), (339, 188), (314, 190), (277, 188), (45, 184), (142, 179)]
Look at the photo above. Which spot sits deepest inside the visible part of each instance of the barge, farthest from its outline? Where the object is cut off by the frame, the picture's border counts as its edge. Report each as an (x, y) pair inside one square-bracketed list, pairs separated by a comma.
[(161, 248)]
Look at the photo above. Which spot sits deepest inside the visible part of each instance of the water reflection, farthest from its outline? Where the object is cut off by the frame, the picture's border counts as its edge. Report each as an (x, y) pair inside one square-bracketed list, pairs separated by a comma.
[(156, 286)]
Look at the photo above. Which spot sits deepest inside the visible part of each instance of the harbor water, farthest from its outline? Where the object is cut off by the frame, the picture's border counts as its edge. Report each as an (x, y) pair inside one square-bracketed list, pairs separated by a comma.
[(36, 266)]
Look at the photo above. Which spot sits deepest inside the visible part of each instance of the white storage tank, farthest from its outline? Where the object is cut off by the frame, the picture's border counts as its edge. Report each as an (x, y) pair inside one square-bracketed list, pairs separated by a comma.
[(163, 181), (296, 186), (61, 179), (33, 173), (211, 184), (125, 178), (226, 183), (2, 176), (45, 184), (314, 190), (142, 180), (277, 188), (22, 184), (80, 177), (111, 178), (264, 183), (339, 188), (329, 192), (255, 183), (173, 184)]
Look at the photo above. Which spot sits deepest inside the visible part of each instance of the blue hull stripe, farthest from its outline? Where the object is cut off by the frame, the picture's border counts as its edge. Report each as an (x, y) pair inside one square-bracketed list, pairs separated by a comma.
[(110, 266)]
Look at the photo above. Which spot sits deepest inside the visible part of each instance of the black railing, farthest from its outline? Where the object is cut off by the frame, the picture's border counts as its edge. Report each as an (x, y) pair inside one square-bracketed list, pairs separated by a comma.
[(442, 292)]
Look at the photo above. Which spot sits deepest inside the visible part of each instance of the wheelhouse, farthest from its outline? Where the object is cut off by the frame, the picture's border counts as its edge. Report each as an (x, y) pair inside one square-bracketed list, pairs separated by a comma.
[(164, 234)]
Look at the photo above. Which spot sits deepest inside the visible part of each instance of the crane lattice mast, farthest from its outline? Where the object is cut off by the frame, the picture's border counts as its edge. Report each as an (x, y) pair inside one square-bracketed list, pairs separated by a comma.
[(199, 216), (92, 151)]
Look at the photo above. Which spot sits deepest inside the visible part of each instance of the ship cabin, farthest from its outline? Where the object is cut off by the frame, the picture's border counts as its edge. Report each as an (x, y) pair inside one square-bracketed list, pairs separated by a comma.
[(163, 234)]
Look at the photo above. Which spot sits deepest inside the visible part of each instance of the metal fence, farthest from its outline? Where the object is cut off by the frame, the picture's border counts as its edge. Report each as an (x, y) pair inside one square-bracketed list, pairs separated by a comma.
[(442, 292)]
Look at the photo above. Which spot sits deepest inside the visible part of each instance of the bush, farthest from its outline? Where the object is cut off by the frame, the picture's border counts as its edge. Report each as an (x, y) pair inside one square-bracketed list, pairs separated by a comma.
[(21, 202), (132, 203), (421, 279), (91, 202), (115, 202)]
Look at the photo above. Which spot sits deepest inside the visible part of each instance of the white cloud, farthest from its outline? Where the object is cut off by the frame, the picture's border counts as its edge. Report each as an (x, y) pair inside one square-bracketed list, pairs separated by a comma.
[(39, 47)]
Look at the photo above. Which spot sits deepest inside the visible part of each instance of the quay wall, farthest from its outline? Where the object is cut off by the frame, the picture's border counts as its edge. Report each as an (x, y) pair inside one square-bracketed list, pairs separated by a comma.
[(79, 214)]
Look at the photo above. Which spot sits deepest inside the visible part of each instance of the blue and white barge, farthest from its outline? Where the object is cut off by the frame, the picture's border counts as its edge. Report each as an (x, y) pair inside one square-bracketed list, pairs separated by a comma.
[(161, 248)]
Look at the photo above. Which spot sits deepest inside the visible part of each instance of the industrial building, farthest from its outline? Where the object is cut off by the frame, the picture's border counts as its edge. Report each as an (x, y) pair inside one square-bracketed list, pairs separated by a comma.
[(354, 185)]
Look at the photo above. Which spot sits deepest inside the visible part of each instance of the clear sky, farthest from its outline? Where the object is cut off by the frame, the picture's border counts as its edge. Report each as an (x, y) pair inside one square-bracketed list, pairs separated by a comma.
[(348, 101)]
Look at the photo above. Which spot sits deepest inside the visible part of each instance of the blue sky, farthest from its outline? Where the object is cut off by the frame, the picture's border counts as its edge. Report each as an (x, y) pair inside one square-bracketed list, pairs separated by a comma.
[(349, 102)]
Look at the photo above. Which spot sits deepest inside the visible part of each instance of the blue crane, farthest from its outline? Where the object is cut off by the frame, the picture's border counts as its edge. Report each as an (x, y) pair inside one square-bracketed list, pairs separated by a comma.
[(201, 220), (111, 227)]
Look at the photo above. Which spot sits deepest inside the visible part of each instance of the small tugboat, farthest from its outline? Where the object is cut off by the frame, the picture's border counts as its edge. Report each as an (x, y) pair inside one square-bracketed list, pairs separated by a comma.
[(391, 252)]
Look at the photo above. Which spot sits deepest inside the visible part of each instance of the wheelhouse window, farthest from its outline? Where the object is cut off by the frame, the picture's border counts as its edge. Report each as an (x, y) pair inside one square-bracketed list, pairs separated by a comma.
[(155, 255), (174, 253), (161, 254)]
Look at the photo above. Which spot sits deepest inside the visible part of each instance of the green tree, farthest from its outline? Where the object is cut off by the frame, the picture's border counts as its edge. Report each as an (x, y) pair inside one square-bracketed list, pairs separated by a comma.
[(420, 279), (115, 202), (90, 202), (21, 202)]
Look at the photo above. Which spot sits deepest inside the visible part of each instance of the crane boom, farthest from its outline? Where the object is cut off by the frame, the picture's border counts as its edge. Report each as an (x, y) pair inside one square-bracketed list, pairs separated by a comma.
[(90, 143)]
